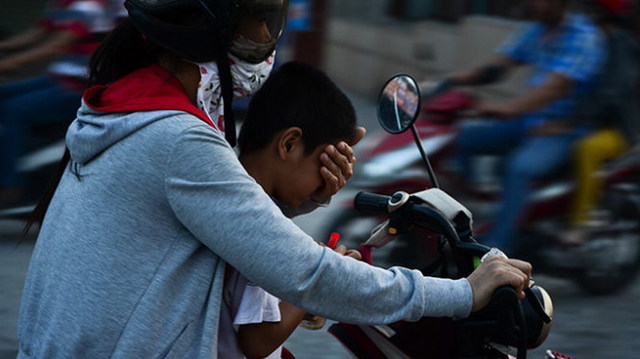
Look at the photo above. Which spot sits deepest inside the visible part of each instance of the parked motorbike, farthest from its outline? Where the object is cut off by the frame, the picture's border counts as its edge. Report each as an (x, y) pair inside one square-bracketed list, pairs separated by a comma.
[(608, 262), (447, 226)]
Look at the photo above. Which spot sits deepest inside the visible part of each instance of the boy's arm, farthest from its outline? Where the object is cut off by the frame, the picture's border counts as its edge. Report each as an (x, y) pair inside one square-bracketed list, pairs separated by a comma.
[(261, 339)]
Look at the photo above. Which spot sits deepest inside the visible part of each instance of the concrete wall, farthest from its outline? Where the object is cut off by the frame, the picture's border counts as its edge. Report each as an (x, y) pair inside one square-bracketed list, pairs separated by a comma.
[(360, 56)]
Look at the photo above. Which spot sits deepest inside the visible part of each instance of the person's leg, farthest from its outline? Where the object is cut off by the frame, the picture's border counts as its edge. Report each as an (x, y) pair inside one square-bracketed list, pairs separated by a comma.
[(536, 158), (486, 137), (590, 153), (45, 103)]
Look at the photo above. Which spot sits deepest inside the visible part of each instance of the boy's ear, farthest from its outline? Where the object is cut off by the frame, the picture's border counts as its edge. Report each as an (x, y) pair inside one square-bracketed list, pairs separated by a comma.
[(289, 142)]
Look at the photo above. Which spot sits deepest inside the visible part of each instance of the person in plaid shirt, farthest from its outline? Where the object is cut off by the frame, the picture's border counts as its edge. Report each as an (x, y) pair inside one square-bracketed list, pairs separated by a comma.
[(534, 130)]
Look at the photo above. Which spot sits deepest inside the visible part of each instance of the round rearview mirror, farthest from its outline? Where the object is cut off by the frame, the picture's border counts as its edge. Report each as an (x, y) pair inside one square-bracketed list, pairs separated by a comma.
[(399, 104)]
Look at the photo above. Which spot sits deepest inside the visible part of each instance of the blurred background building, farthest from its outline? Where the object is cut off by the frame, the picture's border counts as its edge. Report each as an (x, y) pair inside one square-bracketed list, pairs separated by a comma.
[(360, 43), (366, 41)]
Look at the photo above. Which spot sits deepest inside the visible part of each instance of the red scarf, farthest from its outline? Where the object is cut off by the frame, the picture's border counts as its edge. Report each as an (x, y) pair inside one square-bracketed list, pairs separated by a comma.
[(148, 89)]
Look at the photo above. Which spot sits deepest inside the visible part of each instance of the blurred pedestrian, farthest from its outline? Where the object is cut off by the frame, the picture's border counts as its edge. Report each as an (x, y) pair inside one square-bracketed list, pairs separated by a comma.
[(65, 37), (566, 52)]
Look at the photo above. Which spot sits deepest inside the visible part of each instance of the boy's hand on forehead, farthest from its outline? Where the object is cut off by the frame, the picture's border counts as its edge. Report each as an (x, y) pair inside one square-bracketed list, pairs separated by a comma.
[(337, 166)]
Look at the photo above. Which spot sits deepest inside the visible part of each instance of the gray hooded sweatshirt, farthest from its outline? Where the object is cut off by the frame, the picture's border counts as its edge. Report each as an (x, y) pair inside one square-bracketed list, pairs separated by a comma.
[(130, 259)]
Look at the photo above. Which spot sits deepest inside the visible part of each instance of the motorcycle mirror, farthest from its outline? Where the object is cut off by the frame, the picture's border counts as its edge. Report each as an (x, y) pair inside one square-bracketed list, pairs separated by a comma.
[(398, 109), (398, 104)]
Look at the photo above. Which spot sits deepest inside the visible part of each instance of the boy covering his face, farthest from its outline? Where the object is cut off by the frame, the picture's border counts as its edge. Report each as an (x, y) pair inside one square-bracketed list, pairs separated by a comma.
[(290, 122)]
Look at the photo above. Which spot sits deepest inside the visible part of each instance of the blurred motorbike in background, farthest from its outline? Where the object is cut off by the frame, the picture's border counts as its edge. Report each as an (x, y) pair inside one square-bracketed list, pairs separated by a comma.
[(606, 263), (506, 325), (45, 146)]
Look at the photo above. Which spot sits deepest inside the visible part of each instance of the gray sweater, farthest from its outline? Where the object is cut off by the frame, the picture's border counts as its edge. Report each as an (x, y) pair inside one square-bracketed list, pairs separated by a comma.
[(130, 259)]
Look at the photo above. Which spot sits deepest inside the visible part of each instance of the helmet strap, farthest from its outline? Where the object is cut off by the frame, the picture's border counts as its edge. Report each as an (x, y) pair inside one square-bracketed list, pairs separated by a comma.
[(226, 85), (226, 81)]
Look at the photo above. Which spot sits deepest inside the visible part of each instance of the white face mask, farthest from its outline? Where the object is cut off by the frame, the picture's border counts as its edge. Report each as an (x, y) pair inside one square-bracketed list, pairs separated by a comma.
[(247, 79)]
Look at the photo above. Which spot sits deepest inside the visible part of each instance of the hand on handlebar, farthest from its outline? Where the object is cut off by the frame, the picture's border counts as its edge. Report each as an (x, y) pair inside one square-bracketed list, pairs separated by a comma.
[(497, 271)]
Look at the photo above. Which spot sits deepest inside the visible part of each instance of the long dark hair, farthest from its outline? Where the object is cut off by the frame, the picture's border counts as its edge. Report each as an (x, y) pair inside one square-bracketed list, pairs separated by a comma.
[(123, 51)]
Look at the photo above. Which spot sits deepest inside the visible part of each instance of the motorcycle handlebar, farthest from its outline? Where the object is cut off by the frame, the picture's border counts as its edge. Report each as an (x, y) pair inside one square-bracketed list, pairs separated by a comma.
[(416, 213), (532, 319), (372, 203)]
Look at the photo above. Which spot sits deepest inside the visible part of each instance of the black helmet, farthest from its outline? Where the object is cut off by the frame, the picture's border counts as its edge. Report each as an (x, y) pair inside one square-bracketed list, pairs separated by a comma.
[(205, 30), (197, 29)]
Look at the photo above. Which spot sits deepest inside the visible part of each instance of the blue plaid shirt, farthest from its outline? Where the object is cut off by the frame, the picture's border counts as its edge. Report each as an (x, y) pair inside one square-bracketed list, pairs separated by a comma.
[(577, 50)]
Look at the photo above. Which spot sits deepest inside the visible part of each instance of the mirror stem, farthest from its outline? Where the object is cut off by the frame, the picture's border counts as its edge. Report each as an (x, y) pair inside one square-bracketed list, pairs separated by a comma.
[(432, 175)]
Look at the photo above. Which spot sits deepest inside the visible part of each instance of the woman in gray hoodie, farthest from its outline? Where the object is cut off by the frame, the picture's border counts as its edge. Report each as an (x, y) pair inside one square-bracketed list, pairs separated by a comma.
[(152, 203)]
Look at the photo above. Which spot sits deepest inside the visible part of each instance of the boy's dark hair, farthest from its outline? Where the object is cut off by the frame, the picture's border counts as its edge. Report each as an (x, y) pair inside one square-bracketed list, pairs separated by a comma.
[(298, 95)]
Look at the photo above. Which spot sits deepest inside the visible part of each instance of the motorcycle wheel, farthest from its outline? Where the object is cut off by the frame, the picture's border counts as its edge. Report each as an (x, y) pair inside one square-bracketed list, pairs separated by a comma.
[(612, 256), (411, 250)]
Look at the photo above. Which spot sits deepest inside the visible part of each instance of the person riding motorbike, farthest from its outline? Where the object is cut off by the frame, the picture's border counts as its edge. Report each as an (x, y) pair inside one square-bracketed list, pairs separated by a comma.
[(612, 111), (65, 35), (566, 52), (152, 203)]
